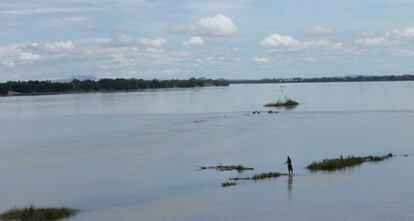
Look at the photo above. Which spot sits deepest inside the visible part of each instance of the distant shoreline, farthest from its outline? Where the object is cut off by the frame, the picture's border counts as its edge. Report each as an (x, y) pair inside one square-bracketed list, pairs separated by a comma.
[(103, 91), (361, 78), (37, 88), (40, 88)]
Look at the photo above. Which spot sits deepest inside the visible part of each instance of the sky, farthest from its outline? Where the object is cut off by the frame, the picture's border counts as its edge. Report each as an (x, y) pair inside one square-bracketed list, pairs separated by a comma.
[(233, 39)]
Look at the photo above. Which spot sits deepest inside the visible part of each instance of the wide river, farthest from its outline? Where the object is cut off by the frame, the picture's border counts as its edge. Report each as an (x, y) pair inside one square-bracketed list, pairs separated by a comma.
[(134, 155)]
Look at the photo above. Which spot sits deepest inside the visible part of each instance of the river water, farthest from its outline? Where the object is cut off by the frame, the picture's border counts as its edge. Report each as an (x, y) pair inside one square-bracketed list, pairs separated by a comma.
[(134, 155)]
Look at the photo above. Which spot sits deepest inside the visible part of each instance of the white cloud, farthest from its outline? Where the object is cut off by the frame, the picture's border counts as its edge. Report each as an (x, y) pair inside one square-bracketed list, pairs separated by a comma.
[(401, 35), (194, 41), (57, 46), (56, 60), (288, 43), (36, 51), (217, 25), (397, 36), (29, 56), (279, 40), (371, 41), (318, 30), (121, 40), (124, 39), (324, 44), (403, 52), (28, 53), (159, 42), (216, 60), (261, 60)]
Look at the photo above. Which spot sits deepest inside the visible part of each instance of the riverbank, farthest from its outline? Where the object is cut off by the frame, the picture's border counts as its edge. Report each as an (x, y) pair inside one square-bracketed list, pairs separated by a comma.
[(26, 88)]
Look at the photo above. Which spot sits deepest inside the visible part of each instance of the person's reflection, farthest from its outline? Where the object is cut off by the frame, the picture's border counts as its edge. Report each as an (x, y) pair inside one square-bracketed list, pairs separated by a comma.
[(290, 184)]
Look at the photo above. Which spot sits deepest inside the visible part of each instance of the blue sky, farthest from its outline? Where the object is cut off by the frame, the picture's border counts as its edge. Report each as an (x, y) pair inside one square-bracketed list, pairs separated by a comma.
[(58, 39)]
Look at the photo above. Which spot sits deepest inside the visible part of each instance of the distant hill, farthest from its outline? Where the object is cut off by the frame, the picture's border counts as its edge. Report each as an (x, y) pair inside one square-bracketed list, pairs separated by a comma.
[(80, 77)]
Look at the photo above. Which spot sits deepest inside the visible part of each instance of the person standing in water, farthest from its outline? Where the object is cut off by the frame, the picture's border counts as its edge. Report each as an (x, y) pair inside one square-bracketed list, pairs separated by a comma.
[(289, 164)]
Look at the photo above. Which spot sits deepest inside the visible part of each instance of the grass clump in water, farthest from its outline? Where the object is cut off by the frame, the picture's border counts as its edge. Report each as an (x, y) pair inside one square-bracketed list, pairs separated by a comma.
[(260, 176), (268, 175), (283, 103), (37, 214), (341, 162), (227, 184), (238, 168)]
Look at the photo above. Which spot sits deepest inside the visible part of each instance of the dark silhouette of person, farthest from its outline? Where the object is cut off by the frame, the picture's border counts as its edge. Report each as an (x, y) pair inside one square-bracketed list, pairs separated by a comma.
[(289, 164)]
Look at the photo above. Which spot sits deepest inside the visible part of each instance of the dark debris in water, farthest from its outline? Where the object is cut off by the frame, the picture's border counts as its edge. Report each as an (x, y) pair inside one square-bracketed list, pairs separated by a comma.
[(269, 112)]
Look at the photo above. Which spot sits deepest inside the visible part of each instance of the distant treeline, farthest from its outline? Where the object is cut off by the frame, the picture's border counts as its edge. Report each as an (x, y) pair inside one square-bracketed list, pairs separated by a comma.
[(361, 78), (119, 84)]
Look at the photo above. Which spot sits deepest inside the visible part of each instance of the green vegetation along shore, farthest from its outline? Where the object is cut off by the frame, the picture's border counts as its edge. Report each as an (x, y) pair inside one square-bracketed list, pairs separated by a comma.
[(119, 84), (37, 214), (345, 162)]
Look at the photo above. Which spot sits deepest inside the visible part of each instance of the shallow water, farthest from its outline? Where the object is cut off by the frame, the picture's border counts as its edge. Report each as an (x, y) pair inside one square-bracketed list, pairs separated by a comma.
[(134, 156)]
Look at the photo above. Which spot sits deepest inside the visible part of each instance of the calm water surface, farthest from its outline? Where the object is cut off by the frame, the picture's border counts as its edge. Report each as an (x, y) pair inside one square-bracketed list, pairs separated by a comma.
[(134, 156)]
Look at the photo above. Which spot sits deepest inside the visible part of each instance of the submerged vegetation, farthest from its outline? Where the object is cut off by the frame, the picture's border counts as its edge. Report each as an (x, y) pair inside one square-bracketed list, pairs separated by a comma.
[(341, 162), (288, 103), (227, 184), (325, 165), (260, 176), (268, 175), (105, 84), (37, 214), (238, 168)]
